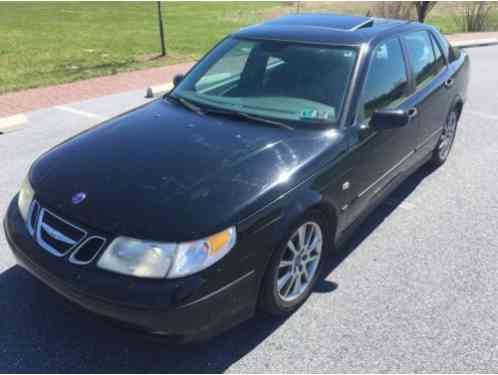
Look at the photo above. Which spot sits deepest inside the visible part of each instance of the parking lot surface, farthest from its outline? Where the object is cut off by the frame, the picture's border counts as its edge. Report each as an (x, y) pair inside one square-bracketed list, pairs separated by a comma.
[(414, 290)]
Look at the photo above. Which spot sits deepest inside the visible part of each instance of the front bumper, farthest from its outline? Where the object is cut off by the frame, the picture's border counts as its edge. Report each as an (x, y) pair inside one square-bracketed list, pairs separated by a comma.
[(186, 307)]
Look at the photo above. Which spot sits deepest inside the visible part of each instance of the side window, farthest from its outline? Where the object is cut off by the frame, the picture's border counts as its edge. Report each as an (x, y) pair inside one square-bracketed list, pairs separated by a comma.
[(272, 64), (421, 56), (387, 84), (444, 45), (440, 62), (451, 53)]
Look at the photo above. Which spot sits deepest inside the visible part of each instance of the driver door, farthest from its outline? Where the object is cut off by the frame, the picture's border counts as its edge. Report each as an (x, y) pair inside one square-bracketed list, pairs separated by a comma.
[(379, 155)]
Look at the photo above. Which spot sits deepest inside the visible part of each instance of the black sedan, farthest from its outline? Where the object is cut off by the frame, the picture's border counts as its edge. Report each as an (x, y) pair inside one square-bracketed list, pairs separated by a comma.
[(186, 215)]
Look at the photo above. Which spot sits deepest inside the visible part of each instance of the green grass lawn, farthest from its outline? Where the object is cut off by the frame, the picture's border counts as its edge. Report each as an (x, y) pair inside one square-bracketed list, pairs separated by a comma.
[(48, 43), (448, 24)]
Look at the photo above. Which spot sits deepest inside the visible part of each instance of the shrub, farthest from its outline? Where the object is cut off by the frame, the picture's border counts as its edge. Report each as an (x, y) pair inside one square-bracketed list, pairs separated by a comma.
[(473, 16), (394, 9)]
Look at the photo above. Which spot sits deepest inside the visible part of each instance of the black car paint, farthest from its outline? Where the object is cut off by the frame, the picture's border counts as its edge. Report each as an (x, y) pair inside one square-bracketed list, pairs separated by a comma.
[(189, 168), (171, 307), (164, 173)]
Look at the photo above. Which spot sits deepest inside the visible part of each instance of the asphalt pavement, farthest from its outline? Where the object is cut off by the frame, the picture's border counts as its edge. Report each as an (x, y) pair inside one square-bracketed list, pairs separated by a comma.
[(414, 290)]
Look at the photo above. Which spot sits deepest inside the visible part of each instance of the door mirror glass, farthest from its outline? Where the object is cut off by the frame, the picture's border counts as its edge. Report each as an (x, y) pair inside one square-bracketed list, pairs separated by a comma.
[(178, 78), (389, 119)]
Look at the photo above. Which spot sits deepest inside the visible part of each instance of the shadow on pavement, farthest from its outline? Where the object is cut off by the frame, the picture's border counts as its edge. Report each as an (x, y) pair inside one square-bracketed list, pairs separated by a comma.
[(377, 217), (40, 332)]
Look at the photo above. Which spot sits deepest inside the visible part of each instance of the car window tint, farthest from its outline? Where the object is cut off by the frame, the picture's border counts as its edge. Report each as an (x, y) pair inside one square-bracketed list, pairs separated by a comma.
[(440, 63), (273, 61), (302, 83), (387, 84), (273, 65), (230, 68), (421, 56)]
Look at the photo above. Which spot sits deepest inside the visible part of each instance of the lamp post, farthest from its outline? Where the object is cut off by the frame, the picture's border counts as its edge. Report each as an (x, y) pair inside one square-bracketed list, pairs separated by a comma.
[(161, 28)]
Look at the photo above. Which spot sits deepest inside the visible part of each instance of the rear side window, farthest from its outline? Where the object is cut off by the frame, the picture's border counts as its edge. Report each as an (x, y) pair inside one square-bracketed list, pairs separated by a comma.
[(422, 57), (450, 52), (440, 62), (386, 85), (445, 45)]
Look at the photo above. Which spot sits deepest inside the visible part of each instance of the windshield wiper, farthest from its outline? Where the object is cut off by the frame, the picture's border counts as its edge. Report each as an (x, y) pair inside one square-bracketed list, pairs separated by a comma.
[(247, 116), (187, 104)]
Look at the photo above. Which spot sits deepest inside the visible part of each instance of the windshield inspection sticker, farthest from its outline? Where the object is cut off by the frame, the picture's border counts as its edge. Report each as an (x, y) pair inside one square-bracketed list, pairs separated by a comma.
[(313, 114)]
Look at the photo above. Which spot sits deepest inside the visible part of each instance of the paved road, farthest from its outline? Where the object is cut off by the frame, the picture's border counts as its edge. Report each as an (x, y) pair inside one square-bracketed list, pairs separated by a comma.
[(416, 290)]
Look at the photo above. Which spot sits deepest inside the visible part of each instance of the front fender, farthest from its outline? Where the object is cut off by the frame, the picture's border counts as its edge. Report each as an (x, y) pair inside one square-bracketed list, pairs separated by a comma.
[(271, 225)]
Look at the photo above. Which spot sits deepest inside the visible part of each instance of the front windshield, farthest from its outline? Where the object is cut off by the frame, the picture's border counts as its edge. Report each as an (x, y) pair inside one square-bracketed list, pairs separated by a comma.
[(286, 81)]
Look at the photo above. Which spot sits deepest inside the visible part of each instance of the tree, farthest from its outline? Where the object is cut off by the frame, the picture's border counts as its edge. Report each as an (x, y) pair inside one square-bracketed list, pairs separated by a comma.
[(392, 9), (423, 8), (405, 10), (474, 16)]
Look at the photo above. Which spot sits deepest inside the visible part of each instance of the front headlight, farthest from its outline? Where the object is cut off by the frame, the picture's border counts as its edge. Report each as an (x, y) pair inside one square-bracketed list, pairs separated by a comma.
[(26, 195), (192, 257), (159, 260), (138, 258)]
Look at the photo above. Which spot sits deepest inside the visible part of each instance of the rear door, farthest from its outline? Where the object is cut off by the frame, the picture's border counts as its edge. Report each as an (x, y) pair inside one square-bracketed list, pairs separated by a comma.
[(432, 81), (380, 155)]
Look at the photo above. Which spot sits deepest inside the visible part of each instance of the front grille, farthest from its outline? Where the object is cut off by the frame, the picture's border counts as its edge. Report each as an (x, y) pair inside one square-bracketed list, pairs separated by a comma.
[(88, 250), (59, 237), (56, 235)]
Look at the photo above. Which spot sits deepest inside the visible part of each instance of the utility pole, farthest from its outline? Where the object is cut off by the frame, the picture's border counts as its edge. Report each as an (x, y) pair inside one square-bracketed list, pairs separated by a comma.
[(161, 29)]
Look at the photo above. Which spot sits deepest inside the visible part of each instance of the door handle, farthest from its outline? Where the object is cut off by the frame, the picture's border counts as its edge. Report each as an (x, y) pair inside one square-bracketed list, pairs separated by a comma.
[(364, 131), (412, 112), (449, 82)]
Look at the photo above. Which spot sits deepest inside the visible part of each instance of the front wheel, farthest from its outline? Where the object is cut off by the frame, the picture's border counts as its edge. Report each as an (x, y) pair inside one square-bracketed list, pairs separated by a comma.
[(446, 140), (295, 266)]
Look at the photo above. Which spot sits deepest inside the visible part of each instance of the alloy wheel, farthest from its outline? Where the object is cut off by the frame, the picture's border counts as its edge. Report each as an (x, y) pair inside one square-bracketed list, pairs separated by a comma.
[(448, 136), (299, 262)]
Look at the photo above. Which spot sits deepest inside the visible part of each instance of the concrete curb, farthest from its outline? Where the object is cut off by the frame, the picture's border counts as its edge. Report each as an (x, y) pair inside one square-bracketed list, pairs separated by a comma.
[(158, 90), (12, 123), (475, 43)]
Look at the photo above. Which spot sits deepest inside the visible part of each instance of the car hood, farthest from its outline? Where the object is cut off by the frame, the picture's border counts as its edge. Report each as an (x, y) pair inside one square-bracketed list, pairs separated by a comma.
[(163, 173)]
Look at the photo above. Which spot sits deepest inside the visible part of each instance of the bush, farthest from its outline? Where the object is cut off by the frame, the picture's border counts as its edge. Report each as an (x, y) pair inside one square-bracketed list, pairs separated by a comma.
[(473, 16), (403, 10)]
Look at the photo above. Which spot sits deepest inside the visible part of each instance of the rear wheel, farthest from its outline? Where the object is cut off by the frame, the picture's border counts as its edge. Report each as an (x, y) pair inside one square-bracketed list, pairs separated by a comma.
[(446, 140), (295, 266)]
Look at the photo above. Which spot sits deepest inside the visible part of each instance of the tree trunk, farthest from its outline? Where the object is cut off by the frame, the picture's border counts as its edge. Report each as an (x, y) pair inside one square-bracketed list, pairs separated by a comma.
[(423, 9)]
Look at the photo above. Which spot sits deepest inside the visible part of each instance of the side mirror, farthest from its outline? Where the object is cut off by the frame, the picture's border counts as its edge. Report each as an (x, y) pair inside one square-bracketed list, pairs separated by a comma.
[(178, 78), (389, 118)]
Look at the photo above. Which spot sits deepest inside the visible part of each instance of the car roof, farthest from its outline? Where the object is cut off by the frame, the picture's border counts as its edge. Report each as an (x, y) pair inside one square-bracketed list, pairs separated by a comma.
[(326, 28)]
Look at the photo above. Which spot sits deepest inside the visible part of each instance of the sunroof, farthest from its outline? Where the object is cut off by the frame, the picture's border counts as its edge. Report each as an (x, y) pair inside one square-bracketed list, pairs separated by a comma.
[(332, 21)]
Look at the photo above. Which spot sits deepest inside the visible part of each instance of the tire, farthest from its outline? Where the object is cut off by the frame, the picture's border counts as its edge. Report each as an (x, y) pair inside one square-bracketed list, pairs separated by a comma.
[(272, 298), (445, 143)]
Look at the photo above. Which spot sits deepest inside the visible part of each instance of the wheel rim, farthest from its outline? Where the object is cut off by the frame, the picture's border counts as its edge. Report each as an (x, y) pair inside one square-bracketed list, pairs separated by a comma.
[(448, 136), (299, 262)]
